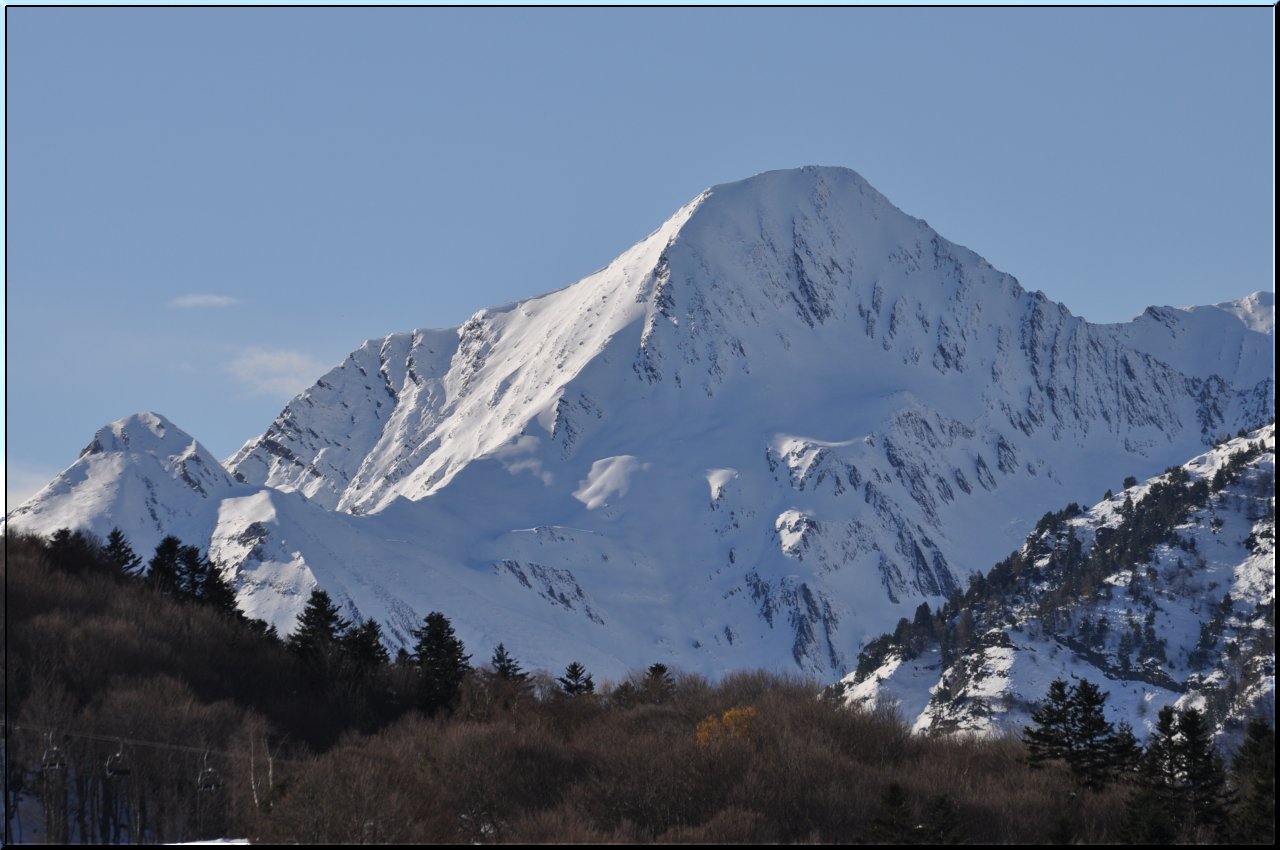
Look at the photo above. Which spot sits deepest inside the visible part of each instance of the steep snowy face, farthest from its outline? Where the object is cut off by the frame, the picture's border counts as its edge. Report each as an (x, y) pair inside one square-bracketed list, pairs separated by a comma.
[(1165, 593), (759, 437), (403, 414), (142, 474)]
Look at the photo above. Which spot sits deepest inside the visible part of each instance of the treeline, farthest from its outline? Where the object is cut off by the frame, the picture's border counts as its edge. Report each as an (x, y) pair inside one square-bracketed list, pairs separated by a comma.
[(140, 711)]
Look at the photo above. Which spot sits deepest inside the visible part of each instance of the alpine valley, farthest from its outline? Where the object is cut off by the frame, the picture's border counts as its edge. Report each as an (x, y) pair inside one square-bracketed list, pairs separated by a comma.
[(759, 438)]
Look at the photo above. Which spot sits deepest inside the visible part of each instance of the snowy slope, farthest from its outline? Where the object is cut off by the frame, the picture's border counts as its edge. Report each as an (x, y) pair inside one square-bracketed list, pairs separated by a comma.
[(1193, 625), (758, 437), (141, 473)]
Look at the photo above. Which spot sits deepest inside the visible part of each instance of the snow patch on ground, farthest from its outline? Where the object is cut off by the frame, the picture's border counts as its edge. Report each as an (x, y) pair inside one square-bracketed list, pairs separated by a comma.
[(610, 476)]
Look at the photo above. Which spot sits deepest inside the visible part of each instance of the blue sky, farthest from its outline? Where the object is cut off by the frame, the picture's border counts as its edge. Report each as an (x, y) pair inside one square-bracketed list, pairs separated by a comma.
[(209, 208)]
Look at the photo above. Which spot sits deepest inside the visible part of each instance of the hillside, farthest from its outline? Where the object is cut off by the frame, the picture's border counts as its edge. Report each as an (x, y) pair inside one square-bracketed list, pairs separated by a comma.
[(1164, 592)]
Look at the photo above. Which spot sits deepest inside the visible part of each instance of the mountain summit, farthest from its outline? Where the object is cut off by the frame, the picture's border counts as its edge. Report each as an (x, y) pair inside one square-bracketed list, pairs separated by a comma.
[(758, 437)]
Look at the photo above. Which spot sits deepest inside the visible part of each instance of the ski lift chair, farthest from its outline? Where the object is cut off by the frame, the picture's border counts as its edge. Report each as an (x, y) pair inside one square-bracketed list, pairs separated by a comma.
[(209, 778), (53, 758), (116, 764)]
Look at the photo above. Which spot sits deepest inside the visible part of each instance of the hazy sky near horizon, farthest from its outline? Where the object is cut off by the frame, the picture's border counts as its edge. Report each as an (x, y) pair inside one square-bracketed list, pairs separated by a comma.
[(207, 209)]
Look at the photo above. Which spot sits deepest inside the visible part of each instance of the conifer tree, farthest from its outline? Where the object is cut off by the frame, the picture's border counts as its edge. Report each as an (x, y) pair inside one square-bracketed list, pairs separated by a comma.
[(1153, 812), (576, 681), (1049, 738), (119, 555), (941, 821), (191, 570), (201, 579), (893, 823), (162, 570), (215, 589), (1099, 750), (659, 686), (442, 664), (1203, 773), (319, 628), (1254, 818), (1182, 781), (624, 696), (362, 646), (506, 668)]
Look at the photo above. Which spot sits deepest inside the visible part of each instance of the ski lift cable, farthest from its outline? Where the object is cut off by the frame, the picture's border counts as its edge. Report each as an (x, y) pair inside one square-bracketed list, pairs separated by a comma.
[(138, 742), (164, 745)]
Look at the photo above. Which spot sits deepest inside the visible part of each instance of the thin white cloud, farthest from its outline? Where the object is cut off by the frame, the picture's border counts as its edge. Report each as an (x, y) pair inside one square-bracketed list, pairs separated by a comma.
[(22, 481), (188, 301), (275, 372)]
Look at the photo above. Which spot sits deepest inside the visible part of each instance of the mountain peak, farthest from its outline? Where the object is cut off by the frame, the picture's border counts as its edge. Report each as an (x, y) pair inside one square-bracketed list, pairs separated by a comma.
[(150, 433), (785, 195), (140, 473)]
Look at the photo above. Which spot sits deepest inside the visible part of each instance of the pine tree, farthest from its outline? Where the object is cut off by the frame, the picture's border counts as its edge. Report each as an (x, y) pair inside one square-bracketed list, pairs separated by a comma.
[(162, 569), (1099, 750), (442, 664), (201, 579), (506, 668), (576, 681), (941, 818), (624, 696), (191, 572), (362, 647), (1254, 816), (120, 555), (1049, 739), (659, 686), (1182, 782), (319, 628), (1124, 751), (1204, 775), (893, 823), (216, 590), (1153, 813)]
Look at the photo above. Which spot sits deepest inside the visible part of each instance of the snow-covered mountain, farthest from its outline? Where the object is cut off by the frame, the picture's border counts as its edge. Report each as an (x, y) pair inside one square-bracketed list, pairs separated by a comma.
[(758, 437), (1163, 594)]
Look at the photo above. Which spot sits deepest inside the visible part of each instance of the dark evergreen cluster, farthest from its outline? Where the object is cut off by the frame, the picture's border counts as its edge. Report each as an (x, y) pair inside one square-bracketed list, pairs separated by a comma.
[(179, 570), (184, 572), (1071, 727), (1181, 789)]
